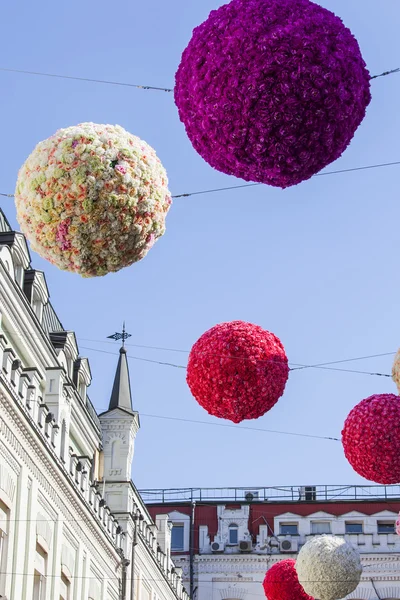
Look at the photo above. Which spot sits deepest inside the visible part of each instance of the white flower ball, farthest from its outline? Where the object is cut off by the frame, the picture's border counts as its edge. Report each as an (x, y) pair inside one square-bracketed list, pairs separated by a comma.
[(328, 567)]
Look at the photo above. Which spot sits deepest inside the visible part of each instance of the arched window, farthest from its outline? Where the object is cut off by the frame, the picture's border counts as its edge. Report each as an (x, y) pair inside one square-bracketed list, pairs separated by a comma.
[(63, 440), (233, 534)]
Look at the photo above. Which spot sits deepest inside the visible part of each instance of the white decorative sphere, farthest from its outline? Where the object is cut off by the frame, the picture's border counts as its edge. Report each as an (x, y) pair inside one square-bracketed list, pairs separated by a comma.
[(328, 568)]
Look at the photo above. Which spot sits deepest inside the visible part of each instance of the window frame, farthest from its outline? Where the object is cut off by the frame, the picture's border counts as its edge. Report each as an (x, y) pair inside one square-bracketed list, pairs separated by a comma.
[(387, 523), (40, 593), (322, 522), (67, 585), (181, 526), (283, 524), (233, 528), (351, 523)]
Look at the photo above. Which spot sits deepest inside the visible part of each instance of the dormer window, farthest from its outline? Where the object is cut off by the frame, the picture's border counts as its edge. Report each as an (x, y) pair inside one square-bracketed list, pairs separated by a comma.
[(233, 537), (177, 537), (19, 275), (36, 291), (37, 306), (81, 376), (82, 390)]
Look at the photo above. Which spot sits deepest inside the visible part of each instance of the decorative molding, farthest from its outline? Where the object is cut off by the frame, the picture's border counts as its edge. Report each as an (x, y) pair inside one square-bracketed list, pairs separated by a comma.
[(52, 514), (44, 529), (10, 459), (388, 592), (68, 558), (7, 483), (362, 593), (233, 593)]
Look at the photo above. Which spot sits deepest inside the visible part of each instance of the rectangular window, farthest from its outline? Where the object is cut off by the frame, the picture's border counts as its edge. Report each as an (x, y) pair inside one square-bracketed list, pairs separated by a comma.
[(177, 537), (39, 586), (320, 527), (353, 527), (64, 588), (386, 527), (233, 535), (39, 579), (288, 529)]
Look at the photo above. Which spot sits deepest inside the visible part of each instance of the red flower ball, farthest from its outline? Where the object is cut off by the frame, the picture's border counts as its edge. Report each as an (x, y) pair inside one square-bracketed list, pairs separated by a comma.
[(237, 371), (281, 582), (371, 438)]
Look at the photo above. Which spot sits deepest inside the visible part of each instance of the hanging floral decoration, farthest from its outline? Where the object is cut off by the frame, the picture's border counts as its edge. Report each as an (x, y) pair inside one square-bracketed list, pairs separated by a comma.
[(371, 438), (281, 582), (237, 371), (396, 370), (272, 91), (328, 567), (92, 199)]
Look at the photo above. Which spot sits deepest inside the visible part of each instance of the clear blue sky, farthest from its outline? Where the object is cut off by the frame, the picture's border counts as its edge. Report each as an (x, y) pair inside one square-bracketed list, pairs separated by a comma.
[(316, 264)]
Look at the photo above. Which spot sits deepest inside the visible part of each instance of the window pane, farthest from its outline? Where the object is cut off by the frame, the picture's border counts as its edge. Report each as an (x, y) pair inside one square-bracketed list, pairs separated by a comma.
[(64, 588), (385, 527), (288, 529), (39, 586), (177, 537), (233, 535), (354, 528), (320, 528)]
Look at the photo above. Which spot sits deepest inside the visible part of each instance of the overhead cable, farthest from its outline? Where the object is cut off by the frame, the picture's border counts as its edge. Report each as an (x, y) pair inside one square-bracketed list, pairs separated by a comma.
[(126, 84)]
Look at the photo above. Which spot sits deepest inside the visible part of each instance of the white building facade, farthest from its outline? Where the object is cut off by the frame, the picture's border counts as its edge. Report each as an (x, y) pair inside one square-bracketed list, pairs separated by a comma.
[(72, 524), (225, 540)]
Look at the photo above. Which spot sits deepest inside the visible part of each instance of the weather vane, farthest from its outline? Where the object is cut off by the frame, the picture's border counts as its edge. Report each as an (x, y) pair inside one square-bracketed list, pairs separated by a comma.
[(120, 336)]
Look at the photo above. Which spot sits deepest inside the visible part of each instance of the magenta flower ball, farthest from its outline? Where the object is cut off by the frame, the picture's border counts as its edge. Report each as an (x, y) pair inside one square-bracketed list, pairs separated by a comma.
[(237, 371), (272, 91), (371, 438)]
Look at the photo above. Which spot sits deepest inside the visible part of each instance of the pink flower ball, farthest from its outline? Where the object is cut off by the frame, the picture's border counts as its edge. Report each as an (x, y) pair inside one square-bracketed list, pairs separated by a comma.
[(281, 582), (371, 438), (237, 371)]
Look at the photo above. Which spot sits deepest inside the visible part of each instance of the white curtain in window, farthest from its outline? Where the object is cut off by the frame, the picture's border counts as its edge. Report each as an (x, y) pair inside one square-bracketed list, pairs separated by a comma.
[(320, 528)]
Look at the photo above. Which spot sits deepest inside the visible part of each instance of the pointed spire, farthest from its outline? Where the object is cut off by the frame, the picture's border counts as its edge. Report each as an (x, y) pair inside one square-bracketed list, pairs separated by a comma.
[(121, 396)]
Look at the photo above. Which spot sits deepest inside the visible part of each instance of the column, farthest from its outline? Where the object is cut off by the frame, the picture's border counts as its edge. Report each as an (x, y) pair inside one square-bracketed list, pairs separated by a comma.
[(54, 569), (24, 537)]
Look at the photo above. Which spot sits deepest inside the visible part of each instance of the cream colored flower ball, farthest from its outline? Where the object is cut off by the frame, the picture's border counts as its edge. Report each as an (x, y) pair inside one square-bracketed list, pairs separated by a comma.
[(92, 199), (396, 370), (328, 567)]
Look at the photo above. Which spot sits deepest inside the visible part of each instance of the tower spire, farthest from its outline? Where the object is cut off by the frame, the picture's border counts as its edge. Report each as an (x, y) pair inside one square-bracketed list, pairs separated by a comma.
[(121, 396)]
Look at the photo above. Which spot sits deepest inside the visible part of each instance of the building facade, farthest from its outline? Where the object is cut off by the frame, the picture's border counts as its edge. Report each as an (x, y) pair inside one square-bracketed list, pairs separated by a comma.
[(226, 539), (72, 524)]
